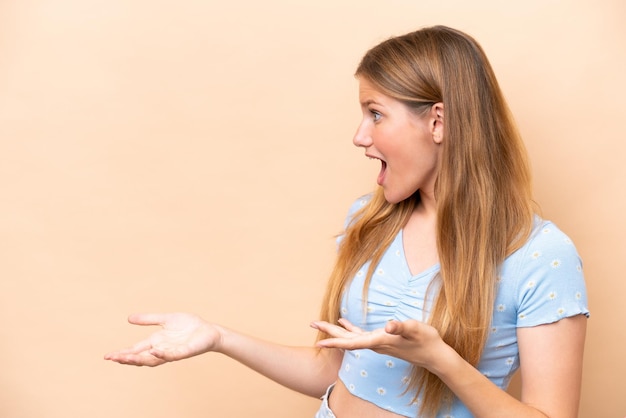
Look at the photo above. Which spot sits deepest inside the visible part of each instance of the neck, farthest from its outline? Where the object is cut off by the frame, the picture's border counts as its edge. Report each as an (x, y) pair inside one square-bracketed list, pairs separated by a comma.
[(428, 204)]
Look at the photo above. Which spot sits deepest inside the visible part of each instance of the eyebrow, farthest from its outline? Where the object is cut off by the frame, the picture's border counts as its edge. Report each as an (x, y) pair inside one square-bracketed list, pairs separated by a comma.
[(369, 102)]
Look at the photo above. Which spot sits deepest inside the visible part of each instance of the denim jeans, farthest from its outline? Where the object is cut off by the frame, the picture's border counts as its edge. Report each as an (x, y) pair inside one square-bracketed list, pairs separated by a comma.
[(324, 411)]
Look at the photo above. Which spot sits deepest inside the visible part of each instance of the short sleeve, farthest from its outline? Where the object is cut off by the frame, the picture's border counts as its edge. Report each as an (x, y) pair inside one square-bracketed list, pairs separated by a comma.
[(551, 285), (354, 208)]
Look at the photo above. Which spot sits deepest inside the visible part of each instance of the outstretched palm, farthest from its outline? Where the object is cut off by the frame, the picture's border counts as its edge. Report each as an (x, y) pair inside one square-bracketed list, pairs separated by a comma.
[(182, 336)]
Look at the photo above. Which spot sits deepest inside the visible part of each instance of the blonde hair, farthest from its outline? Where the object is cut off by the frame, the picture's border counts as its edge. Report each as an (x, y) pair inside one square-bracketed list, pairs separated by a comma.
[(483, 190)]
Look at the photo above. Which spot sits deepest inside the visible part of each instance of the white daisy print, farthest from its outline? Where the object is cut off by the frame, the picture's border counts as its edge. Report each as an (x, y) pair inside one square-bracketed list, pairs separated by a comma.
[(555, 263), (531, 284), (510, 361), (344, 310), (390, 364), (522, 316), (381, 391), (536, 254), (501, 307), (560, 311), (357, 355), (360, 273), (363, 373), (546, 230), (579, 295), (552, 295), (351, 387), (380, 272), (347, 368)]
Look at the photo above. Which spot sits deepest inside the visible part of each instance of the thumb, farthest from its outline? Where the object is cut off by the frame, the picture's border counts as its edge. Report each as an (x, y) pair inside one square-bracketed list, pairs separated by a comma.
[(407, 329), (147, 319), (394, 327)]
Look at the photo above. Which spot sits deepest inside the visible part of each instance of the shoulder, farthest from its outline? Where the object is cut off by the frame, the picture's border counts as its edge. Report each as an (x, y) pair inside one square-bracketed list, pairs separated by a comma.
[(356, 206), (548, 236), (546, 240), (546, 274), (353, 210)]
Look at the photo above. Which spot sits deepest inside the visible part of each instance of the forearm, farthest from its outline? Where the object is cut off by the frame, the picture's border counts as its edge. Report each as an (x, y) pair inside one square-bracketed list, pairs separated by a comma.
[(482, 397), (307, 370)]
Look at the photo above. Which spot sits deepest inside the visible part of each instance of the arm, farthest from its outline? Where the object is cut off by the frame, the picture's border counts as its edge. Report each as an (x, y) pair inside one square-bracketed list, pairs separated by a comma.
[(551, 370), (557, 349), (308, 370), (551, 375)]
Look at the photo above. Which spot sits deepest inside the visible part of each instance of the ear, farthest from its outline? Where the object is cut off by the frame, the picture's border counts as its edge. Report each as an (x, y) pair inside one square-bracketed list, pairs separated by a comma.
[(436, 122)]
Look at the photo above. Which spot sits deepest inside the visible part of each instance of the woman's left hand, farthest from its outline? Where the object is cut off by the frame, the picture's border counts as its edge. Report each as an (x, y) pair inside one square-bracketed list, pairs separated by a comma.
[(413, 341)]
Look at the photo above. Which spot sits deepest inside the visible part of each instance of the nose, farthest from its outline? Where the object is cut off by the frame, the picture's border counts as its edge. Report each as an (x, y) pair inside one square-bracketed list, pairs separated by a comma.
[(362, 137)]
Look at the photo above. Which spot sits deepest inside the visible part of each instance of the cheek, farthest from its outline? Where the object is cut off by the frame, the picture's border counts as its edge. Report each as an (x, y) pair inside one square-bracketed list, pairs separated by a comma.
[(427, 153)]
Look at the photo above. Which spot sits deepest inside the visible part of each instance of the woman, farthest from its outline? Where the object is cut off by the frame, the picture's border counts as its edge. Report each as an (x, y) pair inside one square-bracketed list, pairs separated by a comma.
[(446, 281)]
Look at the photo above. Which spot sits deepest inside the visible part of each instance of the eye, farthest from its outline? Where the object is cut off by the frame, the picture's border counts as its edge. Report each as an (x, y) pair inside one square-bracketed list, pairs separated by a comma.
[(375, 115)]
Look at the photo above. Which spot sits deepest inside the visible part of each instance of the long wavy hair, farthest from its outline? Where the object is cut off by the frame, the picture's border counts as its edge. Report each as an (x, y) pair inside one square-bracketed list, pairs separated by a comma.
[(483, 191)]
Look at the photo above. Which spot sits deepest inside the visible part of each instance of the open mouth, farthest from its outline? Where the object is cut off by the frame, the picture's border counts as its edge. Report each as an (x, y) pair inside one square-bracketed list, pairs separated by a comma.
[(383, 169), (381, 175)]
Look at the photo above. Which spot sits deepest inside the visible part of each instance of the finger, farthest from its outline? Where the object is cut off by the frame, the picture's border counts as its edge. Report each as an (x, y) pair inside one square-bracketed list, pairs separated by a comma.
[(169, 353), (140, 347), (148, 319), (144, 359), (333, 330), (352, 343), (135, 349), (409, 329), (394, 327), (349, 326), (342, 343)]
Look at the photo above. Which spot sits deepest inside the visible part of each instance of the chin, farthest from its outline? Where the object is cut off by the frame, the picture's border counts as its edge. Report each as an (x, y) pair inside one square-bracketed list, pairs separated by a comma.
[(393, 198)]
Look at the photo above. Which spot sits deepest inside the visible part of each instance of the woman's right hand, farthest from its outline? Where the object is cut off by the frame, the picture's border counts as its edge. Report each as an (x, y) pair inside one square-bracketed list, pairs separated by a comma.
[(181, 336)]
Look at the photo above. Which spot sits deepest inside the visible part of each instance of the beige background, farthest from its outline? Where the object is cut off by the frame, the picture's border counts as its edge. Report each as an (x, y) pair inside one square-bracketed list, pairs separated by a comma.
[(196, 155)]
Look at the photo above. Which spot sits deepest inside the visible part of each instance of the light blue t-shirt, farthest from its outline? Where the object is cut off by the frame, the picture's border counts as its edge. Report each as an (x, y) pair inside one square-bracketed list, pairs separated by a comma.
[(540, 283)]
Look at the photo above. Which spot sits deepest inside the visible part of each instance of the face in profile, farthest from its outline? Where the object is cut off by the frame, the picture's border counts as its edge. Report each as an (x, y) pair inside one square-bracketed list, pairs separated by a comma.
[(406, 143)]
